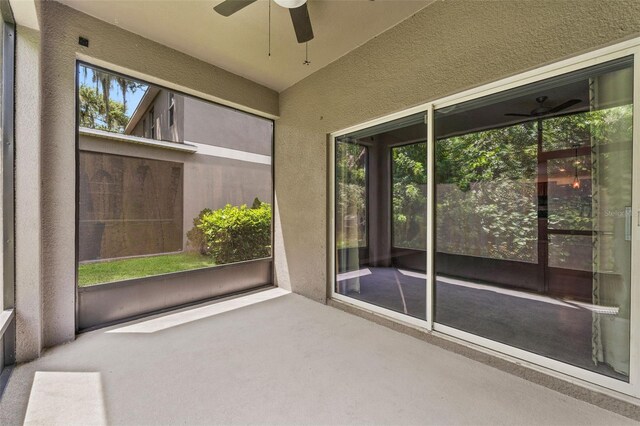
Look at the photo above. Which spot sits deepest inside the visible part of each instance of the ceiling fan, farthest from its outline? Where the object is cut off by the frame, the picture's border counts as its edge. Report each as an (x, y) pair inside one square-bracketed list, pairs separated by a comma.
[(297, 9), (542, 109)]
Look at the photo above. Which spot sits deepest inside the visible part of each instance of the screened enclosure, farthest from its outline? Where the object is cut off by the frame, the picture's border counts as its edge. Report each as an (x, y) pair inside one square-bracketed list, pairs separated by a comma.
[(167, 184)]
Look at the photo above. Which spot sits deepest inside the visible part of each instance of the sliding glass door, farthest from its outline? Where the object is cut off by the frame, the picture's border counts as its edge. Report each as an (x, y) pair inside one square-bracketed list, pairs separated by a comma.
[(510, 219), (533, 217)]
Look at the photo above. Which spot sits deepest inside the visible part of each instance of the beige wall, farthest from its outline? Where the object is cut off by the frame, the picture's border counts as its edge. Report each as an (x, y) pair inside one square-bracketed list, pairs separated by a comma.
[(211, 124), (447, 47), (121, 51), (27, 193)]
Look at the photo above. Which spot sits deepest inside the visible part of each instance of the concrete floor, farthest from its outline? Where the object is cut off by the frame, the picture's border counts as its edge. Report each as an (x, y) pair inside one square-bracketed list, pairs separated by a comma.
[(281, 359)]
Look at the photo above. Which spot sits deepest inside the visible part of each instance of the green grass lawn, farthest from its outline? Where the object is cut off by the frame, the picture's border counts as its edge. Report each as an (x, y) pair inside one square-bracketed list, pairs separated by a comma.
[(125, 269)]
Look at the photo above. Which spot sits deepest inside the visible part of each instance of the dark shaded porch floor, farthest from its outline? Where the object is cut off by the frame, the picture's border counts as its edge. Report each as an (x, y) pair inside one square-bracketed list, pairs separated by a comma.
[(544, 325)]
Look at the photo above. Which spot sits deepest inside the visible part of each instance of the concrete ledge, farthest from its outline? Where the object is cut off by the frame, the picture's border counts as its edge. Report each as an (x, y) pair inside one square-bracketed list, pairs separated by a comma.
[(190, 149), (598, 399), (105, 304)]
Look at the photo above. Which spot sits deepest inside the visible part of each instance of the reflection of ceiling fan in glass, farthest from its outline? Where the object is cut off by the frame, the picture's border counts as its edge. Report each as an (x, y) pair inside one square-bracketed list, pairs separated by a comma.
[(297, 9), (542, 109)]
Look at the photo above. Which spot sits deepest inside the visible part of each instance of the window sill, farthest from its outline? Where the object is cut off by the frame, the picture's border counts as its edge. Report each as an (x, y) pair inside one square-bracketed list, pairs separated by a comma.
[(182, 147)]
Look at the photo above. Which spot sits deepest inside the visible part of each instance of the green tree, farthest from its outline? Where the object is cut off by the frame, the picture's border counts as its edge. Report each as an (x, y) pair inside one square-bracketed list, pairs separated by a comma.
[(351, 186), (486, 193), (410, 195), (486, 181), (95, 114), (105, 81)]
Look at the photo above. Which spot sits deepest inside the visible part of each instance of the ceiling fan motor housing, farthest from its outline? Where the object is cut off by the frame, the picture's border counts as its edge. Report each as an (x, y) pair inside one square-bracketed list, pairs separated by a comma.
[(290, 4)]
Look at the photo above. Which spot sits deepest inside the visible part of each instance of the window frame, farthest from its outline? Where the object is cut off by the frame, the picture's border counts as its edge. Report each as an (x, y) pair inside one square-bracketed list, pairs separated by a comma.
[(7, 311), (254, 267)]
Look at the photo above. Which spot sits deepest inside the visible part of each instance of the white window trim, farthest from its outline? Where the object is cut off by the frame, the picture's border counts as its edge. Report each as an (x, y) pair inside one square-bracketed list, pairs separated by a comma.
[(566, 371)]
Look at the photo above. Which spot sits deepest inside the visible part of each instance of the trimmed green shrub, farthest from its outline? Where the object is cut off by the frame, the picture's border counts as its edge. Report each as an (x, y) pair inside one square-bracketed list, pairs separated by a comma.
[(233, 234)]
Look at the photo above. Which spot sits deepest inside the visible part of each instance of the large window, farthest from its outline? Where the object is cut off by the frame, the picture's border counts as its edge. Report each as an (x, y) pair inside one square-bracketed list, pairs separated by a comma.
[(192, 190), (533, 214)]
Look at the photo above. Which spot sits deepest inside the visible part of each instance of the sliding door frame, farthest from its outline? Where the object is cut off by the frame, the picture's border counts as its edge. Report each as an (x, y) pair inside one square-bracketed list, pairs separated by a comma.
[(331, 258), (550, 366)]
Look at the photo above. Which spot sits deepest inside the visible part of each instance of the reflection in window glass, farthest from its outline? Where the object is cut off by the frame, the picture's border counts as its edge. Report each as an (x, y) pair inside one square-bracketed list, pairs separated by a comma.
[(487, 194), (409, 168), (202, 200), (351, 204), (570, 193), (380, 201), (533, 236)]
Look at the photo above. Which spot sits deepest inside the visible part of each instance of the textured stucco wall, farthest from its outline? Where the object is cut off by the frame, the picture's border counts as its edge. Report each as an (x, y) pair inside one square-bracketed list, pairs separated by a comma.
[(445, 48), (121, 51), (27, 193)]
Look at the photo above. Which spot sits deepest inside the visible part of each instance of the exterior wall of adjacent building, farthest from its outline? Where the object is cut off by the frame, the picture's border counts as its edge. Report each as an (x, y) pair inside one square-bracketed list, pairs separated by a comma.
[(206, 181), (223, 127), (164, 131), (445, 48), (124, 52), (198, 121)]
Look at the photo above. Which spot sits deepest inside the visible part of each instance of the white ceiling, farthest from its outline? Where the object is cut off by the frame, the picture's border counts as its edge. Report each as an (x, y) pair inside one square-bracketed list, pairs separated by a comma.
[(239, 43)]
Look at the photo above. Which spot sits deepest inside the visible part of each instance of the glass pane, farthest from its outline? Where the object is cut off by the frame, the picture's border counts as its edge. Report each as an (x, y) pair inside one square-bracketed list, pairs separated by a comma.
[(201, 198), (351, 204), (381, 215), (409, 163), (486, 192), (570, 193), (571, 252), (533, 236)]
